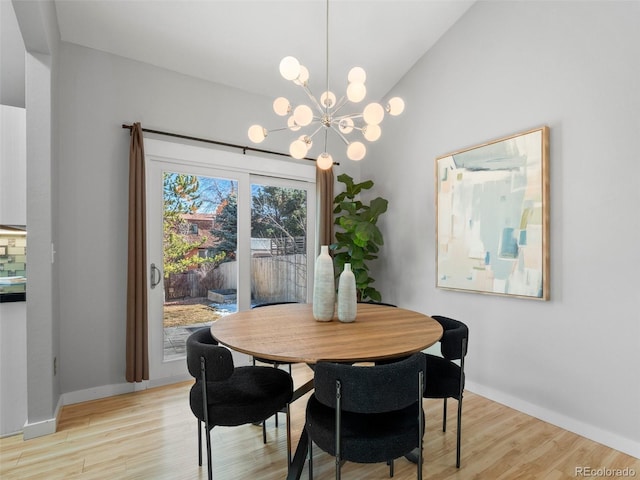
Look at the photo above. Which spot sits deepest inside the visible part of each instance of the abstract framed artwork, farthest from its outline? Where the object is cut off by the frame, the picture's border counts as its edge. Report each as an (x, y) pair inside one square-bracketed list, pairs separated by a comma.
[(492, 211)]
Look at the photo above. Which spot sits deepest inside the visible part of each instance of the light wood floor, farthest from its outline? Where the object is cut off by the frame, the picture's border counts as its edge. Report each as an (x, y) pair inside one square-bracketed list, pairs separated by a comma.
[(152, 435)]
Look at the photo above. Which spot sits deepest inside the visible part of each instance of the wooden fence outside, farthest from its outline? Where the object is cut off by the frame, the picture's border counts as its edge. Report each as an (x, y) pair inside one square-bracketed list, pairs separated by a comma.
[(274, 278)]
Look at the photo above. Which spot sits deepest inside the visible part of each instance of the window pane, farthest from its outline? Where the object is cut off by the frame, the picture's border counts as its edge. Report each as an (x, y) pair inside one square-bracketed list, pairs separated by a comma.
[(278, 244), (199, 250)]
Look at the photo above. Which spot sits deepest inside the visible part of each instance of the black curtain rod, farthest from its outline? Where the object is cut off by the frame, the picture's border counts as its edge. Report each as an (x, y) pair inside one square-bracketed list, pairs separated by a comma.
[(244, 148)]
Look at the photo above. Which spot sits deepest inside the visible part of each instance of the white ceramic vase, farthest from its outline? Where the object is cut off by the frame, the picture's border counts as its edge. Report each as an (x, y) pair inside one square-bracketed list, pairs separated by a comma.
[(324, 286), (347, 298)]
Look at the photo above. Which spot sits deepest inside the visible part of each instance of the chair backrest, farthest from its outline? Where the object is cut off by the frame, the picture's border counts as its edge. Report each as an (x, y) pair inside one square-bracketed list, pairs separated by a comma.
[(266, 304), (218, 359), (371, 302), (370, 389), (452, 345)]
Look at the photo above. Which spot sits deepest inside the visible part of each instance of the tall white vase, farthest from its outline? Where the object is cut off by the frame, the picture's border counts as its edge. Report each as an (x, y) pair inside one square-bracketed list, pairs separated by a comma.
[(347, 298), (324, 287)]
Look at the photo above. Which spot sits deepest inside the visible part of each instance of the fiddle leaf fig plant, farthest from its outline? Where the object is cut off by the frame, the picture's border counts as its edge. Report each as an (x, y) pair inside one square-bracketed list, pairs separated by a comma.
[(358, 238)]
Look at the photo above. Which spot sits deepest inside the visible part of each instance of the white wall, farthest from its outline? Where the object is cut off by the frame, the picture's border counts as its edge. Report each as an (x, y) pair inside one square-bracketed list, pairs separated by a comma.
[(13, 166), (40, 34), (13, 367), (13, 316), (507, 67), (12, 77)]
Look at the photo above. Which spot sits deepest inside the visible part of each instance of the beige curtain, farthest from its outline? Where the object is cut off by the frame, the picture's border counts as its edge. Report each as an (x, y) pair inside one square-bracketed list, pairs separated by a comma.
[(137, 348), (324, 195)]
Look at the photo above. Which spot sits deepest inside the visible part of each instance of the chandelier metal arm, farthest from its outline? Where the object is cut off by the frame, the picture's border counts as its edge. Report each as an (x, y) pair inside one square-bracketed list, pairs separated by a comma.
[(349, 115), (313, 99), (270, 130), (339, 104), (337, 131), (317, 130)]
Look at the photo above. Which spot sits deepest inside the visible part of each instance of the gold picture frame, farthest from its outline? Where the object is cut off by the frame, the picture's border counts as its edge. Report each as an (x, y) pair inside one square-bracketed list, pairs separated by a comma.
[(492, 217)]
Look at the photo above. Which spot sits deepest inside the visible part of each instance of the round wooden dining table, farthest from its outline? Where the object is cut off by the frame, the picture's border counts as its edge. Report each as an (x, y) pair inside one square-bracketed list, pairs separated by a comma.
[(289, 333)]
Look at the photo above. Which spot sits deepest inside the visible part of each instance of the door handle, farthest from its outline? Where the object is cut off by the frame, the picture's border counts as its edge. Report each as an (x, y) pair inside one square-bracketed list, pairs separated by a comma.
[(154, 270)]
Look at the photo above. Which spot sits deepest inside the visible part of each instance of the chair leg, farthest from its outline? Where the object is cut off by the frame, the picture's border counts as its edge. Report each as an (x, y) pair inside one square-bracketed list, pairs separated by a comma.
[(199, 443), (421, 423), (391, 472), (444, 416), (275, 365), (288, 414), (264, 431), (209, 463), (205, 409), (459, 433), (310, 459), (338, 426)]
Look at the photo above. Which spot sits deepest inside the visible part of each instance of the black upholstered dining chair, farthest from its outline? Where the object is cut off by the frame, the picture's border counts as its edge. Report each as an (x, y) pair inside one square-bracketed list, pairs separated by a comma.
[(270, 362), (266, 360), (445, 377), (371, 302), (367, 414), (226, 395)]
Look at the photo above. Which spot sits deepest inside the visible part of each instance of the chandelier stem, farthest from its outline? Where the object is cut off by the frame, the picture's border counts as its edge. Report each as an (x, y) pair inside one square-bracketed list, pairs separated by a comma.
[(326, 107)]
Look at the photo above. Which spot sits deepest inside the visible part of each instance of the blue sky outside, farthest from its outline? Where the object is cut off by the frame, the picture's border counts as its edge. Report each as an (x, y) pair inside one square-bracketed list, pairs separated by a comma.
[(214, 190)]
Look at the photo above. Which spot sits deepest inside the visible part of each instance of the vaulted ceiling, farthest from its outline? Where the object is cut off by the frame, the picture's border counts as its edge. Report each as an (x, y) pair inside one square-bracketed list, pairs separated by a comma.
[(240, 42)]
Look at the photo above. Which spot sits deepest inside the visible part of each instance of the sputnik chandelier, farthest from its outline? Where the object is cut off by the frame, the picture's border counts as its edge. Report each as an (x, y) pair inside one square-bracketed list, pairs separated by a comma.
[(328, 112)]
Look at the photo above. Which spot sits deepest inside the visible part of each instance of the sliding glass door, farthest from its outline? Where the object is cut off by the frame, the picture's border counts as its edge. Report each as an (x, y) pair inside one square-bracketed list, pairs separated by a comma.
[(220, 239)]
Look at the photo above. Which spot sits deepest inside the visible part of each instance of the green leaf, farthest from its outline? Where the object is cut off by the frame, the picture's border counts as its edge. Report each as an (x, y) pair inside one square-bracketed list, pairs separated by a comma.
[(372, 294), (377, 207), (346, 179), (368, 232)]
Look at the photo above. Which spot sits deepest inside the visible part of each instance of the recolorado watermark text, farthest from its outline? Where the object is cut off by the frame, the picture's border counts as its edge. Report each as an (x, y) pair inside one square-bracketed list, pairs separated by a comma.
[(604, 472)]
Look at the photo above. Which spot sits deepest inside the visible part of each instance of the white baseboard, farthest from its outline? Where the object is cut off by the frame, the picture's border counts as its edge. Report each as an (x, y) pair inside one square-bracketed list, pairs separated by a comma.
[(49, 426), (612, 440), (44, 427), (105, 391), (160, 382)]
